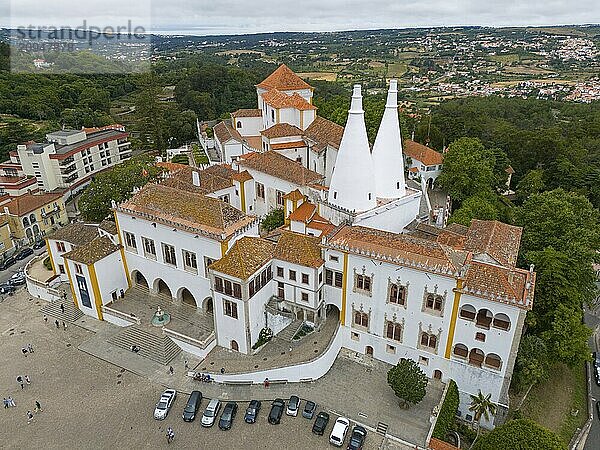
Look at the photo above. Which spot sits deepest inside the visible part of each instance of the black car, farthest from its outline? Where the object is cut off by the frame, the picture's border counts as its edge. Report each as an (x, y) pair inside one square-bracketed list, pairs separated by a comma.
[(8, 262), (276, 411), (598, 408), (320, 423), (228, 415), (7, 288), (252, 411), (357, 439), (39, 244), (23, 253), (309, 409), (192, 405)]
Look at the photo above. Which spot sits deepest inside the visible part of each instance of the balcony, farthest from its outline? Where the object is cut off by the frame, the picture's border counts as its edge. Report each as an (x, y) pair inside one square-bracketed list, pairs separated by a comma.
[(66, 162)]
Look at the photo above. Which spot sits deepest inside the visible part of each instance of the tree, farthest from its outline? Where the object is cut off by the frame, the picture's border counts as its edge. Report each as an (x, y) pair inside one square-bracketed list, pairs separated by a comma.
[(469, 169), (567, 338), (531, 365), (273, 220), (408, 382), (522, 434), (116, 184), (532, 183), (482, 206), (482, 406)]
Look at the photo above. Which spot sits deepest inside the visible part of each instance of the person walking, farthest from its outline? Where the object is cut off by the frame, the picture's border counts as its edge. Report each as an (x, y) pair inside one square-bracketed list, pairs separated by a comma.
[(186, 365), (45, 318), (38, 407), (27, 380), (171, 371), (30, 348), (24, 350), (64, 326), (57, 324), (62, 308), (20, 381), (6, 402), (29, 416), (11, 402)]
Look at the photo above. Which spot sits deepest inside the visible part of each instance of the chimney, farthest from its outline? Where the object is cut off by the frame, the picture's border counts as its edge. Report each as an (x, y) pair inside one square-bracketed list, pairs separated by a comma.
[(388, 162), (195, 178), (352, 183)]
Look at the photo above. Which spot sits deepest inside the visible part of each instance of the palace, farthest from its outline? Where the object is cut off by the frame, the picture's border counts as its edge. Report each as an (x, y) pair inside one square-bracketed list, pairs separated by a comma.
[(354, 255)]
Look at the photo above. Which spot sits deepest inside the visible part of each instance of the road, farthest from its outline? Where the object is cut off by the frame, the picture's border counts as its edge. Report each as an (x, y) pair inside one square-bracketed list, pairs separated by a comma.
[(592, 320), (20, 265)]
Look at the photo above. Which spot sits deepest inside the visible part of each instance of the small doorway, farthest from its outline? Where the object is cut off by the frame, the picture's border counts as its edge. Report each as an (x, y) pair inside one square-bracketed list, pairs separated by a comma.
[(437, 374), (369, 350), (235, 346), (207, 305)]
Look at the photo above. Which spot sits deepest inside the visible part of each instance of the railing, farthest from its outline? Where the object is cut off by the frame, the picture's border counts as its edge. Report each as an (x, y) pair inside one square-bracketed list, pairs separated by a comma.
[(121, 315), (195, 342)]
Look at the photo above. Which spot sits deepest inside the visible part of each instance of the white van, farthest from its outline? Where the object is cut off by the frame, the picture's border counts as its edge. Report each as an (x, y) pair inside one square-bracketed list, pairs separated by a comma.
[(211, 412), (340, 429)]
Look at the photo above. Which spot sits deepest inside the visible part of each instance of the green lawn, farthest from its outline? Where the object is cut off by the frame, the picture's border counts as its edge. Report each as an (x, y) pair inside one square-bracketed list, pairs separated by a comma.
[(559, 403)]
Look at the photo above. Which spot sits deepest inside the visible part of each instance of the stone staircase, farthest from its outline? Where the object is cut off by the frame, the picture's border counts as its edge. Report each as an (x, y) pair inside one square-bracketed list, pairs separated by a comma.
[(71, 314), (153, 344), (288, 333)]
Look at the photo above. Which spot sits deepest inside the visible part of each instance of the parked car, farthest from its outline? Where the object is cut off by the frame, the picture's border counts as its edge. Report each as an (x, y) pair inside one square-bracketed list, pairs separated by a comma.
[(598, 408), (192, 405), (17, 279), (7, 263), (252, 411), (39, 244), (340, 429), (7, 288), (211, 411), (320, 423), (276, 411), (598, 376), (23, 253), (596, 359), (228, 415), (293, 405), (164, 404), (309, 409), (357, 438)]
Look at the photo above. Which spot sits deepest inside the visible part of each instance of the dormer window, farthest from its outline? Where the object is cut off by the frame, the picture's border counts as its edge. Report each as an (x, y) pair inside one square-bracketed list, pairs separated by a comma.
[(239, 124)]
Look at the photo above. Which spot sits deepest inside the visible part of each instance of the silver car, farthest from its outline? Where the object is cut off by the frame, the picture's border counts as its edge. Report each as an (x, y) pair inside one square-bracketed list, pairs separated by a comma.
[(211, 412), (164, 404)]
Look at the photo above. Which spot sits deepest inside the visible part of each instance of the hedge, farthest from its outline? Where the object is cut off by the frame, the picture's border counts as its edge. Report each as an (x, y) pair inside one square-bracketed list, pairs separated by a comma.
[(447, 413)]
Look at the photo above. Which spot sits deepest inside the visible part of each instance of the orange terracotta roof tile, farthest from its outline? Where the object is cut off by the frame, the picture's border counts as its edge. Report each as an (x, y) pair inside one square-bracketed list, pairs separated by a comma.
[(27, 203), (188, 211), (242, 176), (225, 132), (281, 130), (279, 100), (76, 233), (288, 145), (294, 195), (422, 153), (324, 132), (170, 166), (278, 166), (213, 178), (303, 213), (245, 257), (283, 78), (437, 444), (499, 240), (247, 113), (254, 142), (93, 251), (298, 249)]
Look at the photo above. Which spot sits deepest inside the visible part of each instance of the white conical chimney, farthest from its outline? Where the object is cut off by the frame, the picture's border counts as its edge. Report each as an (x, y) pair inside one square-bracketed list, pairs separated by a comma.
[(352, 183), (388, 162)]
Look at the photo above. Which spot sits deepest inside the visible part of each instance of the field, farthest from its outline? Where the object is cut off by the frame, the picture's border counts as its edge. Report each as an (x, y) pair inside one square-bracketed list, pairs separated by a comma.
[(505, 58), (323, 76), (397, 69)]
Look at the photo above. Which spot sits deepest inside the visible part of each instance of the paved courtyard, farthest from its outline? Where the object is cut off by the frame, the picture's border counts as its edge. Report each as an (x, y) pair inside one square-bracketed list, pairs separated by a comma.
[(90, 403)]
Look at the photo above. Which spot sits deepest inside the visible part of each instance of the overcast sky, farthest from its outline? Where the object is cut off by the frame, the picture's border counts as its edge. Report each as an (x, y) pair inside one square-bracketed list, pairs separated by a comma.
[(204, 17)]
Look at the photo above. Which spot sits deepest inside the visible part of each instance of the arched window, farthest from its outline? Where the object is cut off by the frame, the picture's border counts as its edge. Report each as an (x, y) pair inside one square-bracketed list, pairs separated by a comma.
[(494, 361), (434, 302), (476, 357), (361, 319), (397, 294), (467, 312), (502, 321), (238, 124), (32, 218), (393, 331), (461, 350), (428, 340), (484, 318), (25, 222)]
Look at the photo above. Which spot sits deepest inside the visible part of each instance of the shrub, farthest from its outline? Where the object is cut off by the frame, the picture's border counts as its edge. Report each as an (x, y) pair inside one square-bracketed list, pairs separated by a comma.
[(265, 335), (47, 263), (447, 413)]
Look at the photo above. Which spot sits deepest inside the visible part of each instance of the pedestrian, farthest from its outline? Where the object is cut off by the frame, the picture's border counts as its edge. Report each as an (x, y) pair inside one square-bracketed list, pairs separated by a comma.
[(20, 381), (24, 350), (266, 383), (27, 380), (186, 365), (64, 326), (222, 370), (62, 308), (45, 318), (30, 348), (11, 402), (6, 402), (29, 417), (171, 370), (57, 324), (38, 407)]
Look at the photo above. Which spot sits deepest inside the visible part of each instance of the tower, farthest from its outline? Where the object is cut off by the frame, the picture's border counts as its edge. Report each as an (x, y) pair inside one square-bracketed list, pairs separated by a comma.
[(352, 183), (388, 162)]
